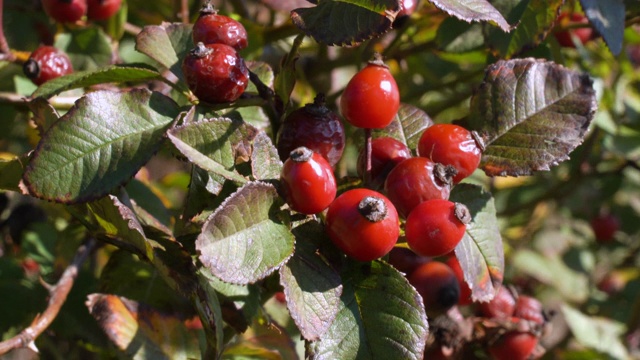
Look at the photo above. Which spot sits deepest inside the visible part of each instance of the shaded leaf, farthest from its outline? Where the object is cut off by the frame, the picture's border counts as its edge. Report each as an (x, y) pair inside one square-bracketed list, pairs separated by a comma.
[(266, 337), (530, 115), (407, 126), (209, 309), (473, 10), (44, 114), (115, 220), (480, 252), (263, 71), (11, 171), (98, 144), (108, 74), (534, 21), (381, 316), (311, 286), (243, 241), (598, 333), (608, 17), (265, 162), (457, 36), (141, 331), (88, 47), (346, 22), (285, 79), (167, 44)]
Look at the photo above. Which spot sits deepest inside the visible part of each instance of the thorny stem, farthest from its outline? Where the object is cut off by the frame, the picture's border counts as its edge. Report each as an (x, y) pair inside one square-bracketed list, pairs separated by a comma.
[(57, 297)]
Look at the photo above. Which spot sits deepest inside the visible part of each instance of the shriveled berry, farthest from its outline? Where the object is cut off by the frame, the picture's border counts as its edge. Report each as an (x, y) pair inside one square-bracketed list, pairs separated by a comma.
[(102, 9), (47, 63), (316, 127), (386, 153), (435, 227), (213, 28), (438, 286), (65, 11), (215, 73)]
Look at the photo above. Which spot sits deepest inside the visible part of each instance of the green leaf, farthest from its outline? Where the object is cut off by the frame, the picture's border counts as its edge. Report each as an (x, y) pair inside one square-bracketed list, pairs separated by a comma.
[(108, 74), (608, 17), (101, 142), (381, 316), (285, 79), (473, 10), (143, 332), (11, 172), (534, 23), (346, 22), (167, 44), (120, 222), (407, 126), (44, 114), (264, 73), (312, 287), (480, 252), (265, 162), (210, 311), (602, 334), (530, 114), (214, 144), (243, 241), (457, 36), (88, 47)]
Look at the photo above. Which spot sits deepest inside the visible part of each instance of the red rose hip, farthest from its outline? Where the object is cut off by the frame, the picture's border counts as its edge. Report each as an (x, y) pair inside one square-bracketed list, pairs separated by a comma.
[(65, 11), (102, 9), (386, 153), (213, 28), (215, 73), (47, 63), (435, 227), (438, 286)]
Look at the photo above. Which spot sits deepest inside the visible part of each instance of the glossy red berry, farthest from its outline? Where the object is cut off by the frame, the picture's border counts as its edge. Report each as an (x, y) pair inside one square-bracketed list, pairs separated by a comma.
[(405, 260), (215, 73), (363, 224), (414, 181), (529, 308), (438, 286), (65, 11), (371, 99), (408, 7), (435, 227), (514, 346), (314, 126), (604, 227), (102, 9), (47, 63), (582, 34), (453, 145), (386, 153), (308, 182), (501, 306), (465, 290), (213, 28)]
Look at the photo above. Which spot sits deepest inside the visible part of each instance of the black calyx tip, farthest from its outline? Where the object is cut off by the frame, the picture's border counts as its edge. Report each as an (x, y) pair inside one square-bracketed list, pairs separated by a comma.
[(373, 208), (301, 154), (31, 69)]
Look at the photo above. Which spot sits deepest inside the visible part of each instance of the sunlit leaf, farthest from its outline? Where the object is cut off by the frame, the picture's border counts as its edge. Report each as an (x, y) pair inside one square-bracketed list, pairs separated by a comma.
[(265, 162), (407, 125), (473, 10), (167, 44), (598, 333)]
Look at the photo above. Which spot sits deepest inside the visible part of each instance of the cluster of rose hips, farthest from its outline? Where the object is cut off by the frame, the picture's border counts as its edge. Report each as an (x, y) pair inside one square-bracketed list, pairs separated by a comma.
[(47, 62), (365, 222), (213, 69)]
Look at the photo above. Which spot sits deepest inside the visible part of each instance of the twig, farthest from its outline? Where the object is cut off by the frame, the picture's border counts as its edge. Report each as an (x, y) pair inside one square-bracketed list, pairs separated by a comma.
[(57, 297), (184, 11), (4, 46)]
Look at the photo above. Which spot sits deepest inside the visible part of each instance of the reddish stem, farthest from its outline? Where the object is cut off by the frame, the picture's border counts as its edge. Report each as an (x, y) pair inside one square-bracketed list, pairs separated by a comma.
[(367, 154)]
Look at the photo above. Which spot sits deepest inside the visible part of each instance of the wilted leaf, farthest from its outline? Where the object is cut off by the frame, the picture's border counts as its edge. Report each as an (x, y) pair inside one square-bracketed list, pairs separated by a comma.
[(407, 126), (608, 17), (530, 114), (346, 22), (598, 333), (243, 241), (44, 114), (381, 316), (312, 287), (108, 74), (473, 10), (167, 44), (98, 144), (88, 47), (480, 252), (265, 162), (141, 331)]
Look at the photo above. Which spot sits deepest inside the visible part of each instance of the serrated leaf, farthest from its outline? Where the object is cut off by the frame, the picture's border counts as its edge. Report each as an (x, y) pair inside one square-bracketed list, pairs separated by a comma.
[(599, 333), (530, 115), (115, 220), (407, 126), (473, 10), (213, 144), (108, 74), (88, 47), (608, 17), (311, 286), (141, 331), (243, 241), (167, 44), (381, 316), (534, 23), (101, 142), (265, 162), (346, 22), (480, 252)]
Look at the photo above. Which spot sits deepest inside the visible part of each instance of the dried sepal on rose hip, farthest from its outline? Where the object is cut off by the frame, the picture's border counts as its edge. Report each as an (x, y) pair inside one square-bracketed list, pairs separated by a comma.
[(308, 183), (46, 63), (214, 28), (371, 98), (363, 224), (215, 73), (314, 126)]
